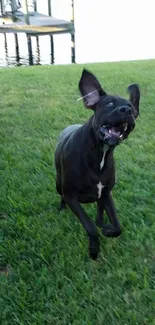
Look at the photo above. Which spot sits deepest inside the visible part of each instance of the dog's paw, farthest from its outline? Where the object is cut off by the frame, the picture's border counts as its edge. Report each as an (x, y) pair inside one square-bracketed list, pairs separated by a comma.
[(94, 247), (99, 222), (62, 205), (110, 231)]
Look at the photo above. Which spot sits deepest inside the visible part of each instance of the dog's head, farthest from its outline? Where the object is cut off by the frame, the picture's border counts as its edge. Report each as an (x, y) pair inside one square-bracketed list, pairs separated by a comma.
[(114, 116)]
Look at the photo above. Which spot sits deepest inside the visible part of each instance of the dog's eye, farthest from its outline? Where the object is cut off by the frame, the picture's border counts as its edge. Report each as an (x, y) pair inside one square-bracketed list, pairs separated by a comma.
[(111, 104)]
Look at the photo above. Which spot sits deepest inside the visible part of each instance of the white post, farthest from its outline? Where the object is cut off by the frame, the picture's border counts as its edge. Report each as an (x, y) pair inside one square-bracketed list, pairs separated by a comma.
[(14, 9), (26, 13), (13, 5), (2, 7)]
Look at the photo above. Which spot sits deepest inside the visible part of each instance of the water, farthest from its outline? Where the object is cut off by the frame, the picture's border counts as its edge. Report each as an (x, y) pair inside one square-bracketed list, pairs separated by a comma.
[(8, 56), (105, 31)]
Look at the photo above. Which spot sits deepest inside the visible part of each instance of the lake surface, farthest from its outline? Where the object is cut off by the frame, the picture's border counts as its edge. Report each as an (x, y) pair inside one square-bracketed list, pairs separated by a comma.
[(105, 31)]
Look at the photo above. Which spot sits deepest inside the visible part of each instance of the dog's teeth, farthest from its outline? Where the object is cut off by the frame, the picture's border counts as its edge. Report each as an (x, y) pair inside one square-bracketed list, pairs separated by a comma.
[(121, 136)]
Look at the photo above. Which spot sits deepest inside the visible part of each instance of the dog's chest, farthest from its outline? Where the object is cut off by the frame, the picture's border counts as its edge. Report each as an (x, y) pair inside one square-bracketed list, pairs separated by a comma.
[(100, 186), (105, 149), (96, 180)]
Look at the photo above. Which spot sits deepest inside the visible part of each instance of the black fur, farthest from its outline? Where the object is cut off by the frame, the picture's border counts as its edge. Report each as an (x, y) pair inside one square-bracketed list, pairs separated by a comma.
[(80, 151)]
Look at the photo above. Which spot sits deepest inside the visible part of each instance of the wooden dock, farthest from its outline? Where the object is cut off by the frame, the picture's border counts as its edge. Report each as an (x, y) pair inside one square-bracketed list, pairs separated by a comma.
[(39, 25), (33, 23)]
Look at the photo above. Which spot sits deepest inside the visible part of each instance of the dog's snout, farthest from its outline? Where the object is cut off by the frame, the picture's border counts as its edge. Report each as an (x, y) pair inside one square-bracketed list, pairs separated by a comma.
[(125, 110)]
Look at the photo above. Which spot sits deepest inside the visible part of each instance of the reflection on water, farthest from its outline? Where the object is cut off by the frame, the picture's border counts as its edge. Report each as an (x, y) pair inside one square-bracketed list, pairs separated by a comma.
[(14, 50)]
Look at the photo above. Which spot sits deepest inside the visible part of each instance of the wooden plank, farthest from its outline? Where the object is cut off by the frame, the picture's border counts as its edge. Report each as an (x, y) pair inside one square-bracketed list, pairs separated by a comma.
[(37, 30), (50, 33), (39, 25), (37, 19), (30, 28)]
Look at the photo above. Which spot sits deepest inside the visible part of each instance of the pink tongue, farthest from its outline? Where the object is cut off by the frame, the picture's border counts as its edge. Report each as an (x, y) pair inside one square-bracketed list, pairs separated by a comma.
[(114, 132)]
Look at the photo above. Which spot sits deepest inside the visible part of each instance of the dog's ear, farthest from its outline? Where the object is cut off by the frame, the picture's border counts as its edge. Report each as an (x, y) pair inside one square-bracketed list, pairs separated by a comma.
[(90, 89), (134, 92)]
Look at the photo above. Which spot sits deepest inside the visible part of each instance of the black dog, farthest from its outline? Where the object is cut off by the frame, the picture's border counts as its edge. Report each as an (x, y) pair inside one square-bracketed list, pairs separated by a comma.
[(85, 170)]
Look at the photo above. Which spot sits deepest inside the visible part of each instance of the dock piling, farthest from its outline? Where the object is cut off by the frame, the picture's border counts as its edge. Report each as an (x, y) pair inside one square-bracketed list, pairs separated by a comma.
[(72, 35), (17, 49), (51, 36), (30, 52)]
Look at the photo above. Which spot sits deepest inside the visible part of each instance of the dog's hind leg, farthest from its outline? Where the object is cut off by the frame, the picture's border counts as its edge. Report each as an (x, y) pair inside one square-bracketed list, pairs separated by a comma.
[(59, 190), (100, 213)]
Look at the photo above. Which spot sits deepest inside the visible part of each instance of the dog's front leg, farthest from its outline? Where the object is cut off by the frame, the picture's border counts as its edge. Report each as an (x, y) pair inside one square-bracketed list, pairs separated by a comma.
[(113, 229), (87, 223)]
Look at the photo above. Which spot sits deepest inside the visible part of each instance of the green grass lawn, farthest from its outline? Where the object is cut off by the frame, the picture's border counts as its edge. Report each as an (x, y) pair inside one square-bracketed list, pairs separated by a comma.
[(46, 276)]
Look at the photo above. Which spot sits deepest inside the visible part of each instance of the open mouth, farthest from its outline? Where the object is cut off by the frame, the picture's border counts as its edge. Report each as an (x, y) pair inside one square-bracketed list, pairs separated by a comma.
[(113, 134)]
